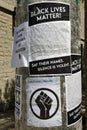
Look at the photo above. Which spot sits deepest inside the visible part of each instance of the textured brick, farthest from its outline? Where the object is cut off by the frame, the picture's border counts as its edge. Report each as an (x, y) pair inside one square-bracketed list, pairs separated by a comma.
[(6, 40), (8, 4)]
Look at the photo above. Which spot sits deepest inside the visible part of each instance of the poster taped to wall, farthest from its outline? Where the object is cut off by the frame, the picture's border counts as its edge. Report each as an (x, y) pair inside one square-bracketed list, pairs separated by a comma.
[(20, 46), (73, 98), (43, 102), (50, 30), (18, 96)]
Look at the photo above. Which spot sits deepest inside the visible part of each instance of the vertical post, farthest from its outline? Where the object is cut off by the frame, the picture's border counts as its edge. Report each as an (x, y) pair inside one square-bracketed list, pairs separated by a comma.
[(85, 57), (22, 16)]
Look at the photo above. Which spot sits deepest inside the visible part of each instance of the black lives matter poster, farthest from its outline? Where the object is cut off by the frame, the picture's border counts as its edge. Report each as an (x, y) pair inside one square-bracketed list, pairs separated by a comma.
[(50, 37), (76, 63), (74, 91), (43, 96), (47, 11), (59, 65), (74, 115)]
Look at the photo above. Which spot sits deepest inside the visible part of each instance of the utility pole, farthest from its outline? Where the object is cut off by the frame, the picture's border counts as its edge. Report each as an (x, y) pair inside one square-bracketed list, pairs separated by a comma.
[(65, 117), (85, 59)]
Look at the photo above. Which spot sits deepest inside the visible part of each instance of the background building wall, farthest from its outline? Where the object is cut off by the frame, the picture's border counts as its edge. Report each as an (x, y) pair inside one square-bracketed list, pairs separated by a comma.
[(7, 74), (82, 19)]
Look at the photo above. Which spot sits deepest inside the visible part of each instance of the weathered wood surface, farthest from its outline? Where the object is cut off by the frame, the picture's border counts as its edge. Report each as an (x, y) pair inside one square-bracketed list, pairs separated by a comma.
[(21, 17)]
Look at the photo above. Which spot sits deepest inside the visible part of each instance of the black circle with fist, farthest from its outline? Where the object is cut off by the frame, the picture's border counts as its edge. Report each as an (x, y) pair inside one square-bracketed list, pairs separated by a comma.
[(44, 103)]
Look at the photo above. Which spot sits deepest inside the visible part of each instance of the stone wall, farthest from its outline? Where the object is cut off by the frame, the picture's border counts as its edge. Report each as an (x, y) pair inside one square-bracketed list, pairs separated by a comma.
[(82, 20), (7, 74), (8, 4)]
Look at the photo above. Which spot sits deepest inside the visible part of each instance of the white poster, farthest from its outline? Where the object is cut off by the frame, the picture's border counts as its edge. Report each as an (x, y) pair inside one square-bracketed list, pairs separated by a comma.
[(20, 46), (73, 97), (50, 30), (18, 96), (43, 102), (18, 82)]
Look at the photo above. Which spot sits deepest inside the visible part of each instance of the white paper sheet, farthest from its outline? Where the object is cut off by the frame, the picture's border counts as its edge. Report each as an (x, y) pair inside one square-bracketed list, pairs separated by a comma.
[(50, 30), (48, 40), (43, 102), (20, 46), (73, 97), (18, 96)]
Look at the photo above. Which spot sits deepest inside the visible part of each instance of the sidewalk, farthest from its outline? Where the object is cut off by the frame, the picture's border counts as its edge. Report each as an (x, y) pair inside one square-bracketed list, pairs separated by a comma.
[(7, 121)]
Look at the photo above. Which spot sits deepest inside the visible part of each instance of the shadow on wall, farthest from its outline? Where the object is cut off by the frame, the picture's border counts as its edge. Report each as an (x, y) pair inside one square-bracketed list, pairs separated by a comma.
[(9, 96)]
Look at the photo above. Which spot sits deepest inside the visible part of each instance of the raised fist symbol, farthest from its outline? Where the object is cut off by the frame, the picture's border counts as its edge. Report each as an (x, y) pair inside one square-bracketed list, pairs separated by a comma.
[(44, 102)]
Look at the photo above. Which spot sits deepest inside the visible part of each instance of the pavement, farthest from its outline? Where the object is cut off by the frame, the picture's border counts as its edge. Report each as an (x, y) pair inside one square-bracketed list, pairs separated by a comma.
[(7, 121)]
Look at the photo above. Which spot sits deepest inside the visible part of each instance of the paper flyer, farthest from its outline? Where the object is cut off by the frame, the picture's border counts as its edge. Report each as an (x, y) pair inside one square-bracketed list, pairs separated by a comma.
[(50, 30), (20, 49), (18, 96), (73, 98), (43, 102)]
